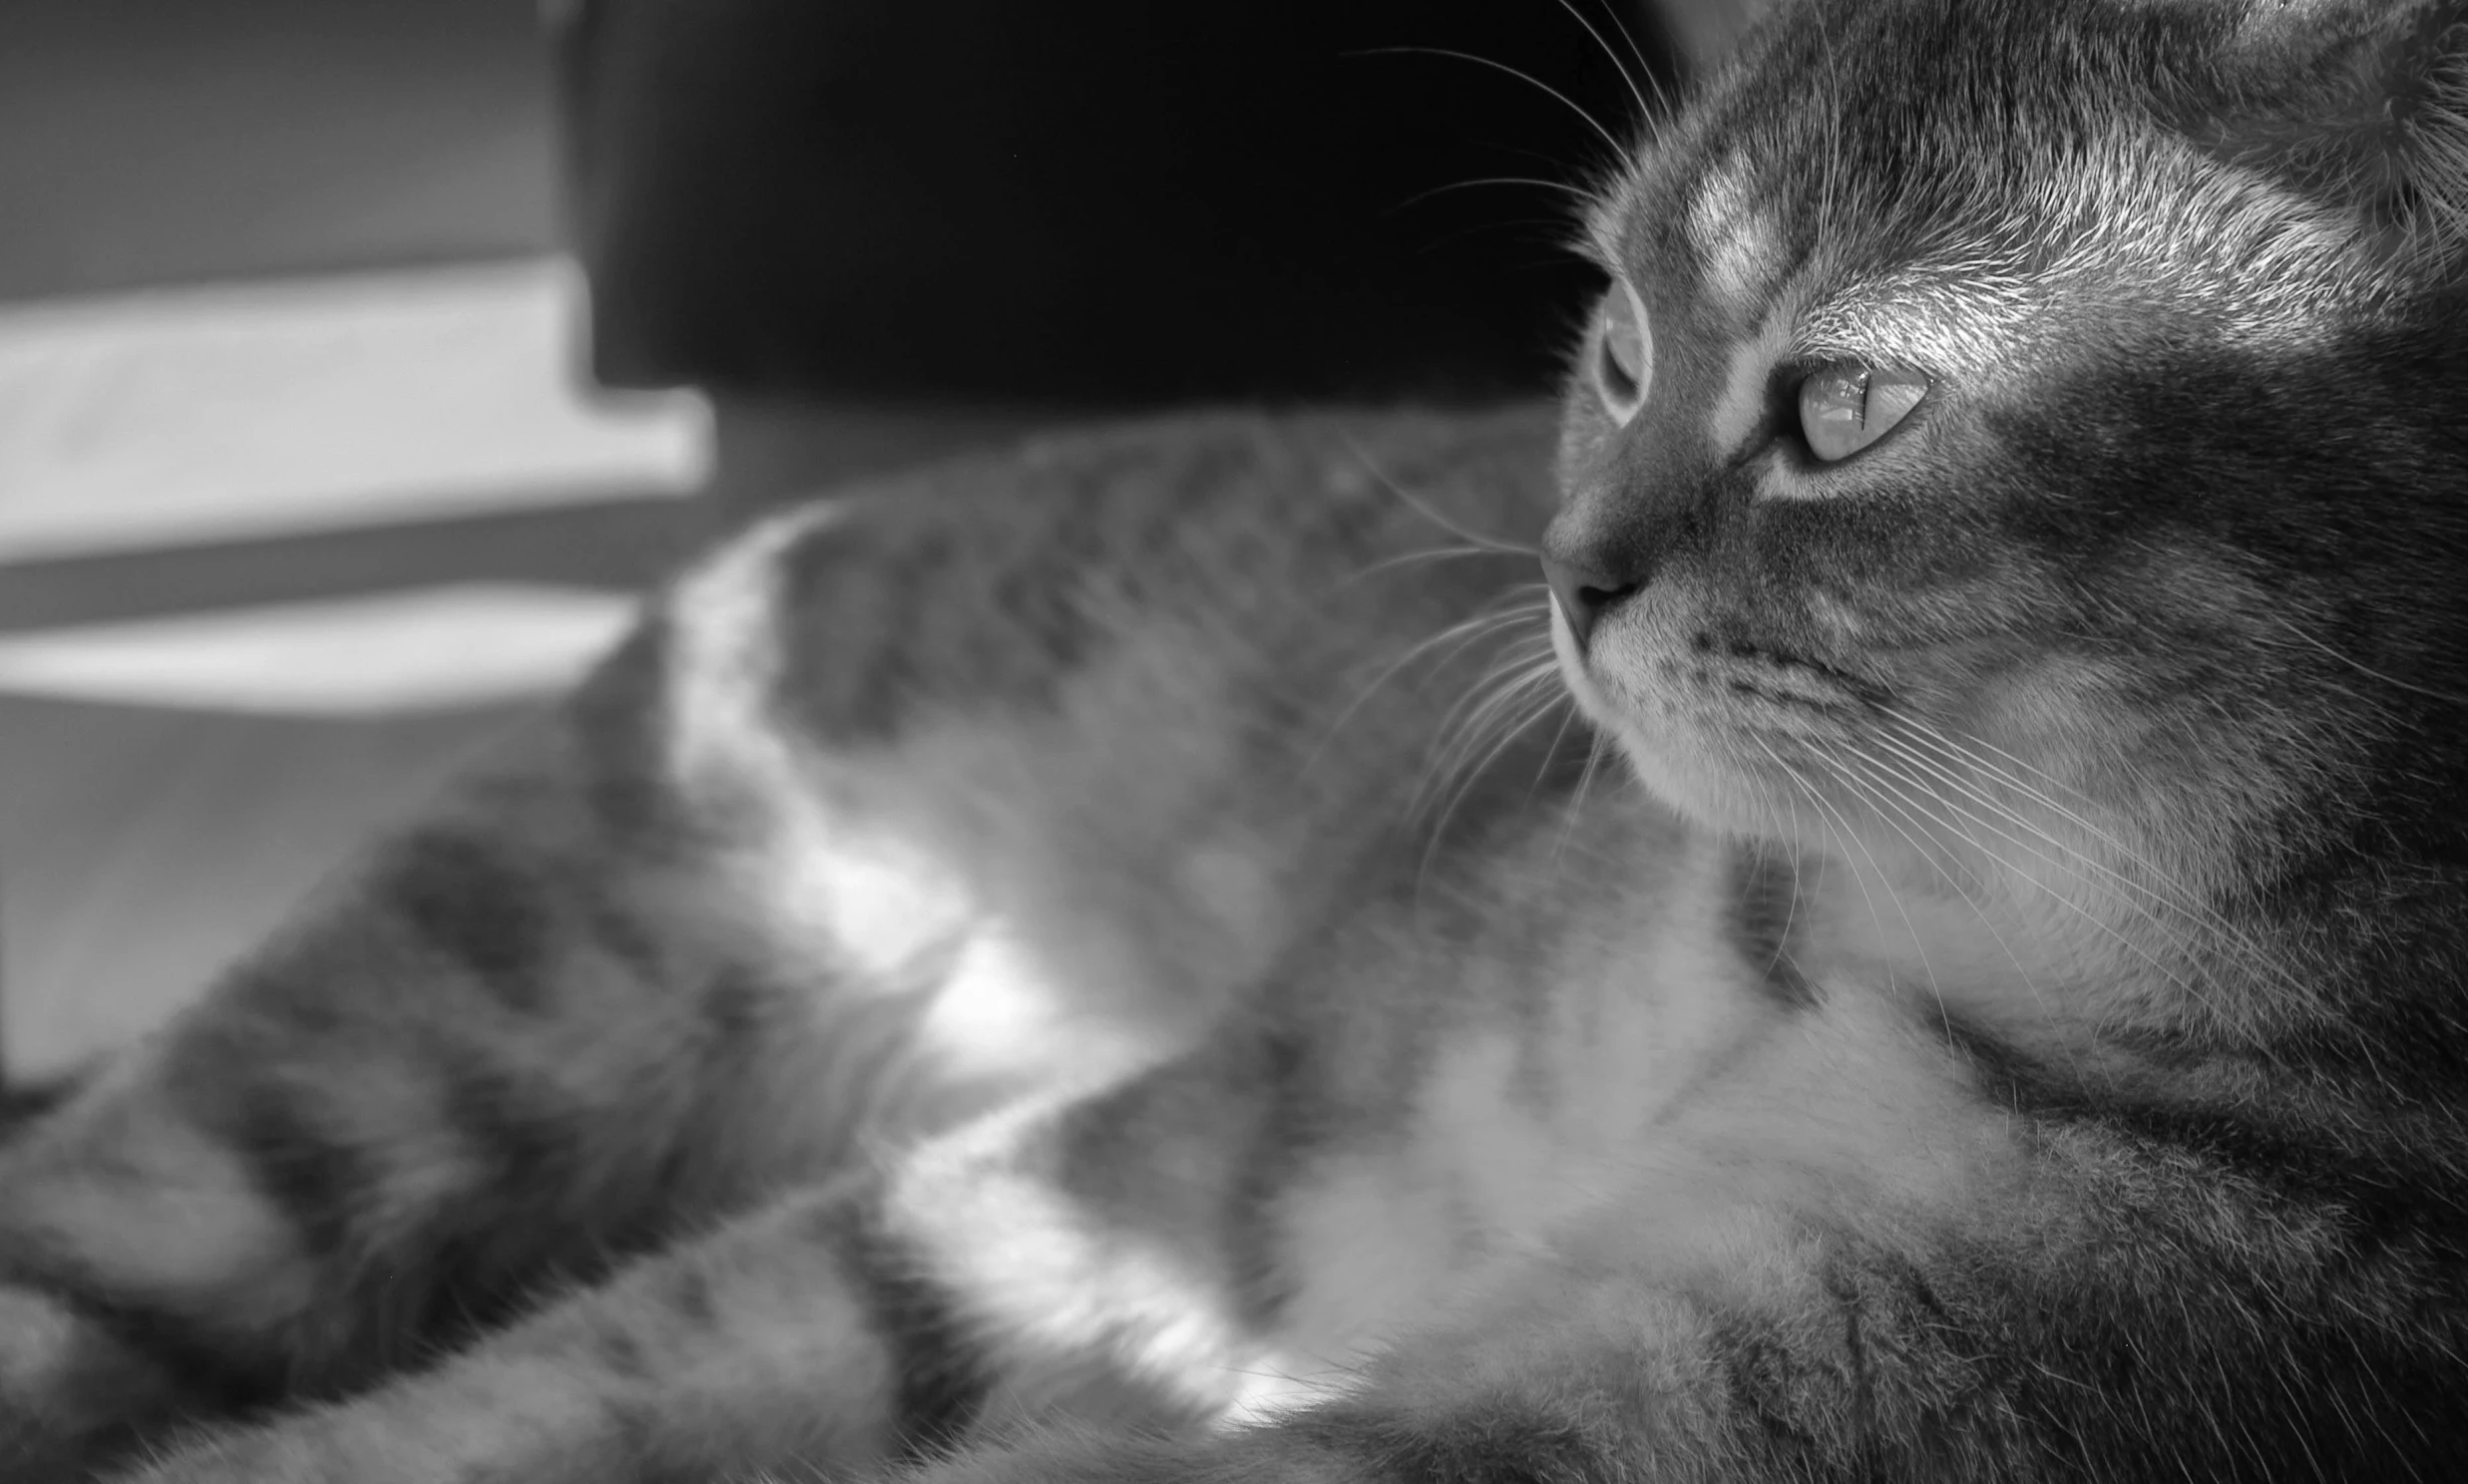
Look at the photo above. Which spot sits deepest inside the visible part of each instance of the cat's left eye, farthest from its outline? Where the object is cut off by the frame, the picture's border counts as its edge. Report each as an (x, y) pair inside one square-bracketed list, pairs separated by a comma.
[(1623, 352), (1845, 408)]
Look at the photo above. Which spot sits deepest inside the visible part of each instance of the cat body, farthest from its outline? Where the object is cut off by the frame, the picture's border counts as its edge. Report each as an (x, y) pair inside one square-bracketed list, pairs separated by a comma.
[(1114, 962)]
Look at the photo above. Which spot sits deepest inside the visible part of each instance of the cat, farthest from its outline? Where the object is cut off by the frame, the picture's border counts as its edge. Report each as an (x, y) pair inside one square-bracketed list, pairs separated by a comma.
[(1117, 961)]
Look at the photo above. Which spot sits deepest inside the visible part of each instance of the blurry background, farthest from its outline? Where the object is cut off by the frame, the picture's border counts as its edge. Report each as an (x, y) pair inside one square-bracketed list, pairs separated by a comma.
[(299, 495), (359, 358)]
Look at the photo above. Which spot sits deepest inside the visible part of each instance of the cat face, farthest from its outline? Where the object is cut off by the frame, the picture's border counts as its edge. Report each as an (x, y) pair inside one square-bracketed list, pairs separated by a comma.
[(2087, 439)]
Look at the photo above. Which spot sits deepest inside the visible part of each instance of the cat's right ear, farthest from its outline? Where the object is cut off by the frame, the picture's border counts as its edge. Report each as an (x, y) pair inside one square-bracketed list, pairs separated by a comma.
[(2359, 105)]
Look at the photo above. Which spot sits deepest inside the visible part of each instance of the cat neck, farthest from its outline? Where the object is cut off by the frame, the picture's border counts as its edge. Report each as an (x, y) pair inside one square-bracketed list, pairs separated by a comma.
[(2342, 954), (2057, 938)]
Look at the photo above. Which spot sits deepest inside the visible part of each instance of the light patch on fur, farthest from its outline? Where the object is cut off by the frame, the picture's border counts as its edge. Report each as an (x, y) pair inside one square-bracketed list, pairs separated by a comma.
[(1740, 408), (1374, 1243), (1851, 1090), (35, 1333), (1845, 1109), (1071, 1304), (1111, 863), (1105, 939), (1843, 622), (177, 1215), (723, 624), (1094, 913), (1739, 241), (1504, 1169), (879, 901), (1006, 1012), (1516, 1143), (1671, 999)]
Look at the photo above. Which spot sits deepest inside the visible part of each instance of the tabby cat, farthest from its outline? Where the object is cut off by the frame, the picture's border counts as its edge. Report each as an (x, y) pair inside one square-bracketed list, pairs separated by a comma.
[(1112, 963)]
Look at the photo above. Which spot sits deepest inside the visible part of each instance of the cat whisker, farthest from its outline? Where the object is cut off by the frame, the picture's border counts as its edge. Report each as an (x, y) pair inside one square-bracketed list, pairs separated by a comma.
[(2294, 631), (1520, 648), (1916, 809), (1583, 198), (1464, 632), (1881, 779), (1618, 151), (1966, 749), (1438, 517), (1919, 940), (1469, 776), (1516, 669), (1834, 127), (2073, 861), (1576, 796), (2168, 893), (1567, 719), (1498, 692), (1502, 704), (1619, 64), (1837, 828), (1879, 791), (1938, 773), (1791, 910), (1644, 68), (1432, 554)]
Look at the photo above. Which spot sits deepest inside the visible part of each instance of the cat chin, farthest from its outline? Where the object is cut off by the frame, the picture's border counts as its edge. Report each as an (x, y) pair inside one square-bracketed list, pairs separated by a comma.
[(1697, 776), (1714, 798), (1693, 779)]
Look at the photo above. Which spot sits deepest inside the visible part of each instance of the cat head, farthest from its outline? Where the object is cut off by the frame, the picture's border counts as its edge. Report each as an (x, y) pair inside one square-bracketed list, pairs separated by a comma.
[(1999, 401)]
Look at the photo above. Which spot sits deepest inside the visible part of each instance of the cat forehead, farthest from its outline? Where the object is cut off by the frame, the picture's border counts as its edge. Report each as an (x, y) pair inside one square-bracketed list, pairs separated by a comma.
[(1875, 112), (1722, 212), (1908, 176), (1760, 250), (1790, 148)]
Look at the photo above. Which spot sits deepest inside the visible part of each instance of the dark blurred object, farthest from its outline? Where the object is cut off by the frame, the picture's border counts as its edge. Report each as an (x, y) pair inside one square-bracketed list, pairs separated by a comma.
[(23, 1104), (1102, 203)]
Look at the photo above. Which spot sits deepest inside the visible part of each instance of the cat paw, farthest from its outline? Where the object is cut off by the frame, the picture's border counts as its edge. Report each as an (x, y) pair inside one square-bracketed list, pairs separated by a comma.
[(72, 1396), (39, 1441)]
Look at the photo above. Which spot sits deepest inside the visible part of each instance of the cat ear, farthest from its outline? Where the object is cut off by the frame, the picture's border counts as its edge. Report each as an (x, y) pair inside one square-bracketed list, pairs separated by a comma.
[(2362, 105)]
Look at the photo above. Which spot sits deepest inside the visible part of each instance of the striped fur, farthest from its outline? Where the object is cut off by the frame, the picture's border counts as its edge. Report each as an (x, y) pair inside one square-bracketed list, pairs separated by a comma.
[(1112, 962)]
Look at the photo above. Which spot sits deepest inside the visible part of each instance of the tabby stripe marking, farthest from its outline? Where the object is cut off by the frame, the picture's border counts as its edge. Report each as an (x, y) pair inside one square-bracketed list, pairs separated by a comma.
[(462, 894), (2387, 1200), (944, 1377)]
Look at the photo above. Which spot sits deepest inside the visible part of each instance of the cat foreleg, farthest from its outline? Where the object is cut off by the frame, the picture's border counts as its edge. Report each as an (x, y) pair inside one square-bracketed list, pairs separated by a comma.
[(487, 1064), (773, 1339), (2096, 1322)]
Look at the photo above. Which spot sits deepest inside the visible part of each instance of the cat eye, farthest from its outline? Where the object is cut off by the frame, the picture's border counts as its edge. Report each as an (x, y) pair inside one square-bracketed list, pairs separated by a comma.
[(1623, 352), (1844, 409)]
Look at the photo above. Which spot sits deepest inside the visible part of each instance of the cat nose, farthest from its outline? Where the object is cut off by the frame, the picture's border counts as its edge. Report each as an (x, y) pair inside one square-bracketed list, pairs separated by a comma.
[(1584, 592)]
